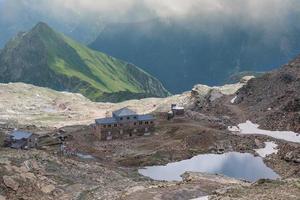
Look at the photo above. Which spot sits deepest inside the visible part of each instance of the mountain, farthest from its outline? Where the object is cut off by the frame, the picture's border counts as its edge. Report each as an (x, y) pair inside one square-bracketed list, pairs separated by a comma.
[(273, 100), (47, 58), (16, 15), (182, 54)]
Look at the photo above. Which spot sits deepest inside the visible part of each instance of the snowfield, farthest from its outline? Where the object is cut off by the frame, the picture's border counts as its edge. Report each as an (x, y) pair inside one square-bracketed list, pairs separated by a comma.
[(250, 128), (270, 148)]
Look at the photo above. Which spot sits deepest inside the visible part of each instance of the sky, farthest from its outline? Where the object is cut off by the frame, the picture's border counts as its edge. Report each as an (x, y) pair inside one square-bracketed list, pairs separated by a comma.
[(209, 15)]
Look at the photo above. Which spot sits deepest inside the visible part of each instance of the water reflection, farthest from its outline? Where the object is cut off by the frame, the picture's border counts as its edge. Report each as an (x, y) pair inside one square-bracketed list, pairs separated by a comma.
[(237, 165)]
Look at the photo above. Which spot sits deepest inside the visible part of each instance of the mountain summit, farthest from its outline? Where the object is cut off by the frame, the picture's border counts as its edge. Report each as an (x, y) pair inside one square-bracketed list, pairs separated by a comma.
[(46, 58)]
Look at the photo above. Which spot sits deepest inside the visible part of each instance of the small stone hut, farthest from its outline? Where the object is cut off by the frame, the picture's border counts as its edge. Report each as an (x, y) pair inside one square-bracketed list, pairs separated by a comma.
[(176, 111), (21, 140)]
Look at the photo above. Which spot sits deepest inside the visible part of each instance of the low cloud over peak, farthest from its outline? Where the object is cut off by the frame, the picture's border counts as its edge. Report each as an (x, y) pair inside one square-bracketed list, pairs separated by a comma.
[(249, 10)]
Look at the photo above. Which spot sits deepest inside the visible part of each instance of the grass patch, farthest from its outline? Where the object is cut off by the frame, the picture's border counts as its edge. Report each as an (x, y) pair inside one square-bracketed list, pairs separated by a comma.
[(96, 73)]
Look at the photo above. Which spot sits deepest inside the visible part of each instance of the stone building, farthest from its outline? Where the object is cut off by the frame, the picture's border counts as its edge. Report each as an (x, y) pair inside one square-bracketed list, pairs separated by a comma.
[(21, 140), (124, 123), (176, 111)]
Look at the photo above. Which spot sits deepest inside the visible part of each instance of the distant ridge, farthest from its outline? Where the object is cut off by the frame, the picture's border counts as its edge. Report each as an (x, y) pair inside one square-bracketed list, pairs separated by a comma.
[(46, 58)]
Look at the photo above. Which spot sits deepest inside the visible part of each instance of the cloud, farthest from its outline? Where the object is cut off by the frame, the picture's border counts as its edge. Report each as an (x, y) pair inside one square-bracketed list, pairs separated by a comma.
[(118, 9), (264, 13)]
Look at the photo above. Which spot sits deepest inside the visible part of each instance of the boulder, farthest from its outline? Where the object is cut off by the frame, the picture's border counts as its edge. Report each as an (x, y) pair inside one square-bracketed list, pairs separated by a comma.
[(11, 183), (2, 197), (292, 156), (48, 189)]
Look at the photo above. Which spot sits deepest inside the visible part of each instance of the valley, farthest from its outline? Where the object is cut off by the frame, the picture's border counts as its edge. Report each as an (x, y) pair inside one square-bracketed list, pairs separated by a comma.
[(149, 100), (109, 169)]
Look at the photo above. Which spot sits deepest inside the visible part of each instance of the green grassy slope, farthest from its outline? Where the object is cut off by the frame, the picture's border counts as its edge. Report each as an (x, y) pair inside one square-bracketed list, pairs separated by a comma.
[(74, 67)]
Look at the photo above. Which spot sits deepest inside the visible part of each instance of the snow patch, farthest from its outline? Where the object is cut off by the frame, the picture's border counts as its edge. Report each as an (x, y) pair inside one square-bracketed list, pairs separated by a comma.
[(84, 156), (233, 100), (270, 148), (233, 128), (249, 128), (201, 198)]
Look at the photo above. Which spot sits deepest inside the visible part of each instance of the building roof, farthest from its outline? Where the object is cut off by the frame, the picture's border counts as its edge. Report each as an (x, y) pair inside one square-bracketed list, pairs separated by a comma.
[(145, 117), (108, 120), (124, 112), (18, 135)]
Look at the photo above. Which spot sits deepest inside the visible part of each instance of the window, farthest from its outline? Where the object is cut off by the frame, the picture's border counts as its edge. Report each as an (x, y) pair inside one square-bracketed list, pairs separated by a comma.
[(134, 117), (146, 122), (151, 122), (134, 123), (140, 123), (115, 125), (104, 126), (128, 117), (109, 126), (121, 118)]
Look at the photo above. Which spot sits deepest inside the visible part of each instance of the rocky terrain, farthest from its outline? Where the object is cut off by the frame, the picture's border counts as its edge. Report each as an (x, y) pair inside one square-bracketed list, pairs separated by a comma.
[(273, 100), (270, 100), (28, 104), (109, 169)]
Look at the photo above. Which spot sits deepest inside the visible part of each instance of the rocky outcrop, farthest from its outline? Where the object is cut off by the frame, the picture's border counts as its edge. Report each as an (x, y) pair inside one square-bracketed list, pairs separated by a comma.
[(203, 94), (272, 100), (290, 153), (197, 176)]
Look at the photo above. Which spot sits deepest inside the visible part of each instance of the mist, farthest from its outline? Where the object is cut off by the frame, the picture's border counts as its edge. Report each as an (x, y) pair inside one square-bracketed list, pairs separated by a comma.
[(85, 19), (251, 11)]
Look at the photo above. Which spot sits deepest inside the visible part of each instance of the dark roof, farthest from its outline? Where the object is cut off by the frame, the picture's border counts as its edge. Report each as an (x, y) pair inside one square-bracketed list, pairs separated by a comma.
[(18, 135), (124, 112), (108, 120), (145, 117)]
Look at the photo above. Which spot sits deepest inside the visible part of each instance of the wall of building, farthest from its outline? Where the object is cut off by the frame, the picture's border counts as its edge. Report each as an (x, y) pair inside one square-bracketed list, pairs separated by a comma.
[(32, 142), (123, 131)]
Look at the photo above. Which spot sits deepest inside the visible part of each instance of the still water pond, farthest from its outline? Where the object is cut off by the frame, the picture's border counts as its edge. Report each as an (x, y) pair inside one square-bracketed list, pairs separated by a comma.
[(237, 165)]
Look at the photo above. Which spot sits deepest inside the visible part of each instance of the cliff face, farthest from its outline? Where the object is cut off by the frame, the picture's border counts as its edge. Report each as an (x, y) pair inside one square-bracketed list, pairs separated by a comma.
[(46, 58)]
